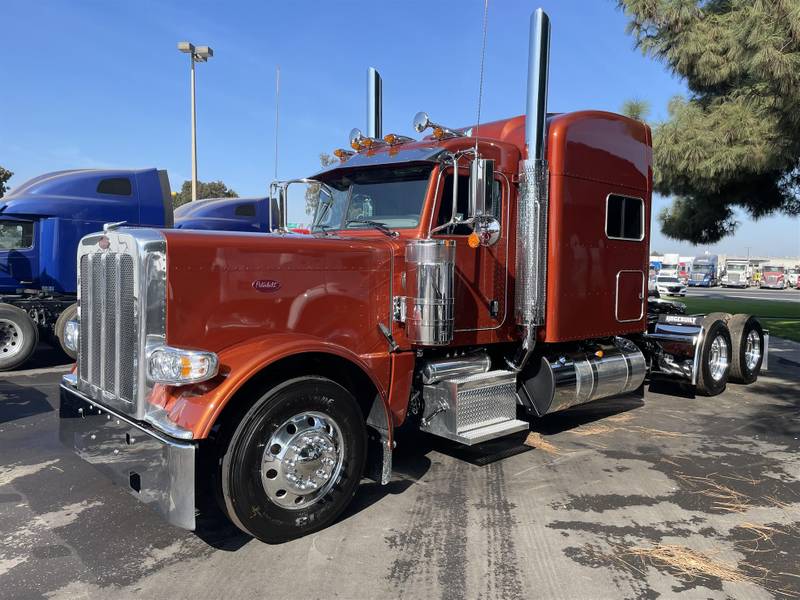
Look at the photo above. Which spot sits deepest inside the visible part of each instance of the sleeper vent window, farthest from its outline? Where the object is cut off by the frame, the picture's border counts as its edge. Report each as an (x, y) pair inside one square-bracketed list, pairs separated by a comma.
[(624, 218), (116, 186), (246, 210)]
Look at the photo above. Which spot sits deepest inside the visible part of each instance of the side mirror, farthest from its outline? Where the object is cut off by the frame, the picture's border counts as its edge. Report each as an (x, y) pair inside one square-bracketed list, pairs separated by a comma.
[(481, 180)]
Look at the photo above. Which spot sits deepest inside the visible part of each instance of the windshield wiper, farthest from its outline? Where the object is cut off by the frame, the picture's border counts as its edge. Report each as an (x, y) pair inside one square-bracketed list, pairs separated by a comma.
[(375, 224)]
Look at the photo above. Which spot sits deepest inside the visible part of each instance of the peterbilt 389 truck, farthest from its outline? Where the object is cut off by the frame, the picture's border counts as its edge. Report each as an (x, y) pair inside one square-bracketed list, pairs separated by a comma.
[(462, 284)]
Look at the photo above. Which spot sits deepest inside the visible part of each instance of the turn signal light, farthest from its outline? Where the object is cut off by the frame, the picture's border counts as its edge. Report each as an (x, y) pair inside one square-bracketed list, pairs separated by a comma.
[(438, 133), (175, 366), (474, 240)]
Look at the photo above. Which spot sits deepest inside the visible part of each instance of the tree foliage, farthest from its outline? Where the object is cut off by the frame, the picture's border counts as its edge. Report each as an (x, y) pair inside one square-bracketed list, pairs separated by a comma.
[(735, 141), (312, 191), (636, 109), (211, 189), (5, 175)]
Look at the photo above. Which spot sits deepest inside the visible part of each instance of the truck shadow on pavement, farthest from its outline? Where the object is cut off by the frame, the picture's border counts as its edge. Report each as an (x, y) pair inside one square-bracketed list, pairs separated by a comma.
[(19, 402)]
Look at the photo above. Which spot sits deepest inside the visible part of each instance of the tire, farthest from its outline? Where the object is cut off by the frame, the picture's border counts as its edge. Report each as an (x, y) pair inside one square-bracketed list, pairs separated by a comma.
[(256, 467), (19, 337), (715, 357), (746, 364), (68, 314)]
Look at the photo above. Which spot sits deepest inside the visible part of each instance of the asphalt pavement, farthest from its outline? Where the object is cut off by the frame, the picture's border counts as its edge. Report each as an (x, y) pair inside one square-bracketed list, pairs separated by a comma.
[(623, 498), (787, 295)]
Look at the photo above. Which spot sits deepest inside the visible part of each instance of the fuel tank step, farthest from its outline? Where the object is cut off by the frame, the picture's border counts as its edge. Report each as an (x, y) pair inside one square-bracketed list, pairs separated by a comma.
[(473, 408)]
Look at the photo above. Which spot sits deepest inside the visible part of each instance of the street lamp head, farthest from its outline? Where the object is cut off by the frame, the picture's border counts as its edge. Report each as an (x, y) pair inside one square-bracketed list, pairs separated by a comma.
[(186, 47), (203, 53)]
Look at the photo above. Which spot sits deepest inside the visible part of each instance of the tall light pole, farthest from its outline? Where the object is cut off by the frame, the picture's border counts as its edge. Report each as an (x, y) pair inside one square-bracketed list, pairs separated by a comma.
[(196, 54)]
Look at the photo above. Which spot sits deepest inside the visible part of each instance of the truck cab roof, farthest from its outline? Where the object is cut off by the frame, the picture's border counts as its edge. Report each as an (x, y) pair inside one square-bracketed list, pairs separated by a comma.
[(94, 195)]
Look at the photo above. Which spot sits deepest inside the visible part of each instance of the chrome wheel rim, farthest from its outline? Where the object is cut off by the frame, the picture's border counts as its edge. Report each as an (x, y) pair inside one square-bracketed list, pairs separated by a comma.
[(10, 338), (718, 358), (752, 350), (302, 460)]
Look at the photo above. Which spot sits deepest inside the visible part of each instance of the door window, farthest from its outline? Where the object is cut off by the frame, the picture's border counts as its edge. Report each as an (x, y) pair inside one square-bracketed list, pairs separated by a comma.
[(16, 235), (462, 204)]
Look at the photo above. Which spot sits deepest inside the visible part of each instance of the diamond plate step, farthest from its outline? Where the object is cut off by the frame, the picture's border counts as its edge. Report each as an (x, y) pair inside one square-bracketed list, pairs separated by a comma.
[(472, 409)]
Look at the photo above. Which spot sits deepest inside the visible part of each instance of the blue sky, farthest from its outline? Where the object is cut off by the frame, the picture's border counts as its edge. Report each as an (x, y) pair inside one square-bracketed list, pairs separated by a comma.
[(101, 83)]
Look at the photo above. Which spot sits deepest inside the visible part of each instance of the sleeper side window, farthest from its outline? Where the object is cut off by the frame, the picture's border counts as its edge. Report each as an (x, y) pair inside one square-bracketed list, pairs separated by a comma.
[(624, 218)]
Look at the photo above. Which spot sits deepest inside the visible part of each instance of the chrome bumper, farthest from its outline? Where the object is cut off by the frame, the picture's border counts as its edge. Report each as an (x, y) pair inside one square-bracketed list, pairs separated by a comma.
[(157, 469)]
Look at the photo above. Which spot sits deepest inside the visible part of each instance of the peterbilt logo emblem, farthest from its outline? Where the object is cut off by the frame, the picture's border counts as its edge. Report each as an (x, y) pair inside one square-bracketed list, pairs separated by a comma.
[(104, 243), (268, 286)]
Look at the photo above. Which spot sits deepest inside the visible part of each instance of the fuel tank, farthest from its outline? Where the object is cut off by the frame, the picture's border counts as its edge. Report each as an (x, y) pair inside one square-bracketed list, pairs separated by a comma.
[(560, 381)]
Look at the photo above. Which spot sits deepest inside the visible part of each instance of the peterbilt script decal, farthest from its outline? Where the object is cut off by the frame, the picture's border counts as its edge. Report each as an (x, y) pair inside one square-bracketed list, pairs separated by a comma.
[(268, 286)]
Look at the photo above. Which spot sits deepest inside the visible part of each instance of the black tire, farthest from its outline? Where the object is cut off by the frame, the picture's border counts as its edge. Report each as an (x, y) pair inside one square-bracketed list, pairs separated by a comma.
[(19, 337), (68, 314), (740, 327), (707, 385), (246, 499)]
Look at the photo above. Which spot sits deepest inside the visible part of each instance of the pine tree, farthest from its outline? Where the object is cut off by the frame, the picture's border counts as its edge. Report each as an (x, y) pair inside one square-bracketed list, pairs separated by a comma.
[(735, 141)]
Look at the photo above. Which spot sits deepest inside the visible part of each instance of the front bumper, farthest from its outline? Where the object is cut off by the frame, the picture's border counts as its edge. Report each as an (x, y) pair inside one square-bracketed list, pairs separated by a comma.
[(157, 469)]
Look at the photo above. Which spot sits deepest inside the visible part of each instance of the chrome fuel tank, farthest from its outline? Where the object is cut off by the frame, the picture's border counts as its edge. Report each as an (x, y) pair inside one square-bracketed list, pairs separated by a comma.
[(558, 382)]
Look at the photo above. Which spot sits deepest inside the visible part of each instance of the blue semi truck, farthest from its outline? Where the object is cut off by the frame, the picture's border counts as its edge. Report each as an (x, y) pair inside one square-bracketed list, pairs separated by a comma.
[(42, 221)]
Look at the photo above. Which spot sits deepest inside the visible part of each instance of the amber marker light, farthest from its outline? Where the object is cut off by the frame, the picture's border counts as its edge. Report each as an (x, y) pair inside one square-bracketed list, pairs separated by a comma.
[(390, 139), (474, 240), (438, 133), (342, 154)]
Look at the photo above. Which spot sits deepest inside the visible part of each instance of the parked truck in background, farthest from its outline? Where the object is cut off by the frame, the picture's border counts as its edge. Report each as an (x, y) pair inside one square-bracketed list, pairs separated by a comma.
[(704, 271), (41, 223), (670, 265), (446, 282), (737, 273), (792, 276), (772, 277)]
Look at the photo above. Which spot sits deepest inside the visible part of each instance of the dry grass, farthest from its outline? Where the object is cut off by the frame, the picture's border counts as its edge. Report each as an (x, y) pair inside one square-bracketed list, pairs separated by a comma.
[(603, 428), (535, 440), (687, 563), (722, 497)]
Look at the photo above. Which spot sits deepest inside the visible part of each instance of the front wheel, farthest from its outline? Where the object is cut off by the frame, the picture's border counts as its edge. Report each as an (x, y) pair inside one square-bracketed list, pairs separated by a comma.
[(19, 337), (295, 461), (68, 314)]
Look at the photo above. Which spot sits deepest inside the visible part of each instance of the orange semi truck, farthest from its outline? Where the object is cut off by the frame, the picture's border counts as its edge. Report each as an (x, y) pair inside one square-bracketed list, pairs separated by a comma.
[(463, 283)]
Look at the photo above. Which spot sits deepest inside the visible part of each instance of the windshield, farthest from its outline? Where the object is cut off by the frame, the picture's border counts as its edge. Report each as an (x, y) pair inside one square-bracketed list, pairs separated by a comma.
[(736, 267), (390, 196), (773, 269), (704, 269)]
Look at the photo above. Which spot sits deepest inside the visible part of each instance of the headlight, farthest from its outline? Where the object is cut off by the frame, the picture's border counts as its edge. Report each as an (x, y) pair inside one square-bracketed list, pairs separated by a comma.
[(174, 366), (71, 335)]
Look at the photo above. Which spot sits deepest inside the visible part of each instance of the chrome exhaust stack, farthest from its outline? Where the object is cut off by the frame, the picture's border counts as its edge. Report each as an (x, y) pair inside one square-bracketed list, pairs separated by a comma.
[(532, 204), (374, 104)]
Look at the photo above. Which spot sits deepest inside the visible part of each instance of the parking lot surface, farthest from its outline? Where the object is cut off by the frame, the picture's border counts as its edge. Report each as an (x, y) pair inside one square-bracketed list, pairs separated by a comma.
[(787, 295), (633, 498)]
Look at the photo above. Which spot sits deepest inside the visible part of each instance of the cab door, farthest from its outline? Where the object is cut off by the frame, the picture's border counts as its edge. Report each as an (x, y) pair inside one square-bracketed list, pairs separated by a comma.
[(481, 283)]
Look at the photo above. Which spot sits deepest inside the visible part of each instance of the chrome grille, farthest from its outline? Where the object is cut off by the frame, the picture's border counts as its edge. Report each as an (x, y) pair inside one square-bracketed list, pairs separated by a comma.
[(109, 344)]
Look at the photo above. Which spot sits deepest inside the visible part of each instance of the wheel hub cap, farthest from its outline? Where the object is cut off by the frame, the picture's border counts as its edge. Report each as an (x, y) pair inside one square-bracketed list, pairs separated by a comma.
[(10, 338), (752, 350), (302, 460), (718, 358)]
